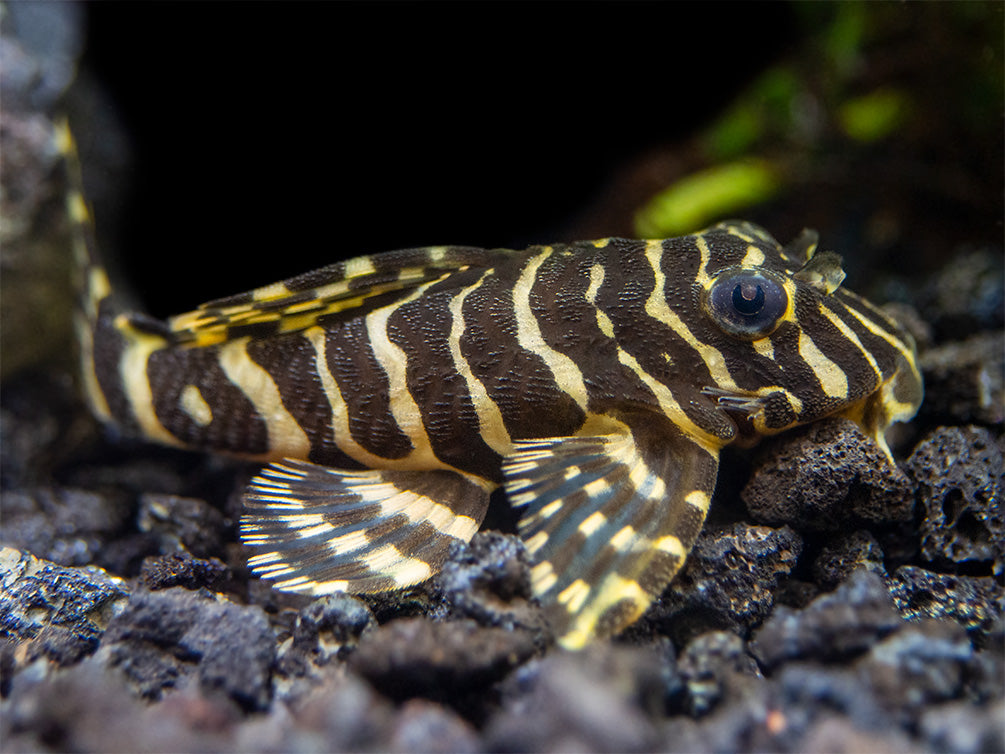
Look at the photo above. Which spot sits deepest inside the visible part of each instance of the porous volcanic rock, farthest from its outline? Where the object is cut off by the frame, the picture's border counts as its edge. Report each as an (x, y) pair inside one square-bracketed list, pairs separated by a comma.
[(828, 477), (835, 626), (163, 639), (728, 582), (960, 478), (51, 611)]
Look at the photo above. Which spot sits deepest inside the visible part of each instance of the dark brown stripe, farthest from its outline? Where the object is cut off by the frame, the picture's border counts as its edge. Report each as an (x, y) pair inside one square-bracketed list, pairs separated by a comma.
[(626, 507), (684, 467), (390, 528), (563, 559), (573, 555), (453, 256), (421, 541), (421, 328), (257, 331), (280, 303), (614, 618), (291, 362), (351, 517), (568, 324), (365, 389), (684, 520), (680, 259), (888, 357), (750, 370), (316, 278), (843, 352), (725, 250), (237, 299), (236, 426), (517, 380), (797, 374), (109, 345), (628, 283)]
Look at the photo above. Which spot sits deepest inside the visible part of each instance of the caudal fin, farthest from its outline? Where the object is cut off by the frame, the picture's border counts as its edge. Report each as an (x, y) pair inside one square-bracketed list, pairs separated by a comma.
[(94, 298), (104, 325)]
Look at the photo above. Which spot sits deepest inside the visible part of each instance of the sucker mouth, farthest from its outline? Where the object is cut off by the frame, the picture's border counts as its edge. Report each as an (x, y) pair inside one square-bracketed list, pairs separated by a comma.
[(744, 409), (749, 404)]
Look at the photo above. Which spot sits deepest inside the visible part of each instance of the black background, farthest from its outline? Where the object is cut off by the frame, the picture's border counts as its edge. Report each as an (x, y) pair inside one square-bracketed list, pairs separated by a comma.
[(267, 139)]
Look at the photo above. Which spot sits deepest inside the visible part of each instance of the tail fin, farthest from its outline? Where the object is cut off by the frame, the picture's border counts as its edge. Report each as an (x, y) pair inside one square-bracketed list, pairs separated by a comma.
[(94, 300), (103, 324)]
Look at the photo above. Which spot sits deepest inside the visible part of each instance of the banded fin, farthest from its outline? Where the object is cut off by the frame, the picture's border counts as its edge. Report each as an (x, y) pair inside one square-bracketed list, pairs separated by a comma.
[(341, 288), (823, 271), (609, 522), (322, 530)]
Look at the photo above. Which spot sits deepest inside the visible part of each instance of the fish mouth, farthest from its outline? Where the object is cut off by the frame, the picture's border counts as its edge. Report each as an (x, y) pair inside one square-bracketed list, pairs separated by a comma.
[(742, 405), (756, 414), (747, 404), (747, 410)]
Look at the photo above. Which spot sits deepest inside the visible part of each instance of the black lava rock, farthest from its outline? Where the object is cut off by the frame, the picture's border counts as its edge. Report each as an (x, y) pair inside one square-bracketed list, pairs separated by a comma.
[(960, 476), (452, 662), (488, 580), (423, 726), (963, 381), (834, 627), (728, 583), (64, 525), (163, 637), (180, 569), (973, 602), (840, 735), (47, 610), (806, 693), (921, 663), (324, 630), (966, 296), (337, 620), (593, 701), (827, 478), (87, 708), (964, 727), (707, 665), (182, 524), (839, 558), (41, 426), (344, 713), (872, 699)]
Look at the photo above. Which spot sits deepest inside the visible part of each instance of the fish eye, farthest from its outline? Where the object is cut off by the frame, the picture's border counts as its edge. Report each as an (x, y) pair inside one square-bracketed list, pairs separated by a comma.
[(746, 303)]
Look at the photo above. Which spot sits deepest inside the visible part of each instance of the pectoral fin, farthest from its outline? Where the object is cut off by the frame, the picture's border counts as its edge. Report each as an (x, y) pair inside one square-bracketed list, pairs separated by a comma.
[(321, 530), (610, 520)]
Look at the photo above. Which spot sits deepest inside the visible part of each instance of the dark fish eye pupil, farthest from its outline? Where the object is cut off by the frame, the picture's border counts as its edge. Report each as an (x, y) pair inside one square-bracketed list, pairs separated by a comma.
[(747, 303), (748, 297)]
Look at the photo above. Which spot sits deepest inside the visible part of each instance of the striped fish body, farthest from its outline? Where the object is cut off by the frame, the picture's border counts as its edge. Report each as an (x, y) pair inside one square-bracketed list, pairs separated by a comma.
[(596, 382)]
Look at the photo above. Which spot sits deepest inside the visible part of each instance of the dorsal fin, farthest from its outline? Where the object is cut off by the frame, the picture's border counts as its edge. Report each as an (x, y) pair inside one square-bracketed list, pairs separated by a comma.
[(299, 302)]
